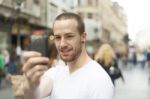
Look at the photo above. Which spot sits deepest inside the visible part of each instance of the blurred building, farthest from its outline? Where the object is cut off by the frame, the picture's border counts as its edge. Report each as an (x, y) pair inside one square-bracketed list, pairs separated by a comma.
[(113, 21), (88, 9), (114, 25), (105, 22), (18, 18), (143, 39), (55, 7)]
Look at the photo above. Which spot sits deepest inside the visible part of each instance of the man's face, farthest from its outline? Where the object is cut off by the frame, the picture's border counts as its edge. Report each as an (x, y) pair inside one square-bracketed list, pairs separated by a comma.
[(67, 39)]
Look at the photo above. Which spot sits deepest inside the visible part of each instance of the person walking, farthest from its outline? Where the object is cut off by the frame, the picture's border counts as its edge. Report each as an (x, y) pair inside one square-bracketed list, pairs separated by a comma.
[(82, 78), (2, 67), (106, 57), (148, 57)]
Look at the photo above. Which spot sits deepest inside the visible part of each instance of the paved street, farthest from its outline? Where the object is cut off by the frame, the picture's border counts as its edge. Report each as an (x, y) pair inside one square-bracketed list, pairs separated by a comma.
[(136, 85), (6, 91)]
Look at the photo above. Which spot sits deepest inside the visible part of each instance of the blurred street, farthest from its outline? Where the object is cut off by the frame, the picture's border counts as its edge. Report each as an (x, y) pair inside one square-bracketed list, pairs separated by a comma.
[(6, 90), (136, 85), (28, 25)]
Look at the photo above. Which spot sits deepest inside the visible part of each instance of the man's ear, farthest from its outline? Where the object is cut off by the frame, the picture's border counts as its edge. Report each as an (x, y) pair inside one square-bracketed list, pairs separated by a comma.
[(83, 37)]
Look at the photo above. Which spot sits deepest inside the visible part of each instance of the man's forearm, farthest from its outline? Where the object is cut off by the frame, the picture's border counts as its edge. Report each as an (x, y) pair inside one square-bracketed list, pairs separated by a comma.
[(32, 94), (30, 91)]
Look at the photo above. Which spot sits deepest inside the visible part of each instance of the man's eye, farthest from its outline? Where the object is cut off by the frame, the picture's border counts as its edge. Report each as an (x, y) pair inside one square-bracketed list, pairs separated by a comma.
[(70, 36), (57, 38)]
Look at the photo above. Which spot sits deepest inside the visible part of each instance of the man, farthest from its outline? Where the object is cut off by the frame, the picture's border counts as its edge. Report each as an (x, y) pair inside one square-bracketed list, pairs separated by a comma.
[(82, 78)]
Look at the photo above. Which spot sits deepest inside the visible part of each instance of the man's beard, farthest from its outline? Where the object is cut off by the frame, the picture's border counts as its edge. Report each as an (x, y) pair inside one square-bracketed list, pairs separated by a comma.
[(76, 53)]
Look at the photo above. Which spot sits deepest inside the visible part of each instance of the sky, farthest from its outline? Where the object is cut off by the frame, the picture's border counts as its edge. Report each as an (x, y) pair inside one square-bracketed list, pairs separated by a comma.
[(138, 15)]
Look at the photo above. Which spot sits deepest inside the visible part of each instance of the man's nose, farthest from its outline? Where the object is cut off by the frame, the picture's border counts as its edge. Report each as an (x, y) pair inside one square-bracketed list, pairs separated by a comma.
[(62, 42)]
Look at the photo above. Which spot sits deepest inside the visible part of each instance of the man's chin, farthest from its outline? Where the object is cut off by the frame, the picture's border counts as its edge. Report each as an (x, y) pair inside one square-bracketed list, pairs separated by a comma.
[(66, 59)]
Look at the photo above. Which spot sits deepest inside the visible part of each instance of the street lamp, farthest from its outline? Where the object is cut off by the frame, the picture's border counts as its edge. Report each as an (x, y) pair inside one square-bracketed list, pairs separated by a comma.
[(18, 10)]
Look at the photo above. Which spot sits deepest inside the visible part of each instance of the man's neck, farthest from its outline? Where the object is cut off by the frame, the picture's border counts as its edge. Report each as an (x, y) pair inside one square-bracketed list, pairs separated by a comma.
[(78, 63)]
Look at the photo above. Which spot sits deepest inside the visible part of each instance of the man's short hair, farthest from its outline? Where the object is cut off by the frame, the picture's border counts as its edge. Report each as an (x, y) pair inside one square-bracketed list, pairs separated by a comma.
[(68, 15)]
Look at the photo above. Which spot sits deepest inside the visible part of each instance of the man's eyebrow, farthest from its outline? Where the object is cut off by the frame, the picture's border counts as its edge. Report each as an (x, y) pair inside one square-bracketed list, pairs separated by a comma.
[(56, 35), (69, 33)]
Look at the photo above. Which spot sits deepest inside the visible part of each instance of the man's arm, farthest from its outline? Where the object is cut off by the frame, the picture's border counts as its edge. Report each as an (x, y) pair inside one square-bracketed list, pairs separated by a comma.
[(42, 91), (34, 67)]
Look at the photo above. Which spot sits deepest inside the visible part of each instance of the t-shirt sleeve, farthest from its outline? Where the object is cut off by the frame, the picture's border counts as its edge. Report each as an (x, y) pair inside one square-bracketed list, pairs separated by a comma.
[(50, 73), (46, 82)]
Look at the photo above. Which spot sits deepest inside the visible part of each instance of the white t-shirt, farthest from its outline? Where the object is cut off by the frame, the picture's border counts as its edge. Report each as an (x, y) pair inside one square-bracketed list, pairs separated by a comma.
[(88, 82)]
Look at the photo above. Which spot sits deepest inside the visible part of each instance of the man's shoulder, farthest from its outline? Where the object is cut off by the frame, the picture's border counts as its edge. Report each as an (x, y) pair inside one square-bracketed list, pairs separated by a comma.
[(98, 78), (93, 62), (96, 69), (95, 65)]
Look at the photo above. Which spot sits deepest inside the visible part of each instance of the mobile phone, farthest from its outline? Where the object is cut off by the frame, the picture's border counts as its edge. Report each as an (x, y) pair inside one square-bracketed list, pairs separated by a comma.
[(39, 43)]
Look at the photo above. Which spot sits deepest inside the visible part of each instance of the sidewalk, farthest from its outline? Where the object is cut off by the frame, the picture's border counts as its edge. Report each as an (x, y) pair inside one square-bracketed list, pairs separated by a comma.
[(6, 91), (136, 84)]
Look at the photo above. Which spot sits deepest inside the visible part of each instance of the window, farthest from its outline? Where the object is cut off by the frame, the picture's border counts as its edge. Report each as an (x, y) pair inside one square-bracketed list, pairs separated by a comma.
[(82, 2), (3, 40), (53, 10), (1, 1), (81, 14), (90, 2), (95, 4), (36, 10), (90, 16), (79, 2), (36, 1)]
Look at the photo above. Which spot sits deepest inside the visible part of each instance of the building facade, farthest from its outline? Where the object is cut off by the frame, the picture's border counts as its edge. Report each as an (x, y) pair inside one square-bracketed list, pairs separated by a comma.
[(55, 7), (18, 19), (105, 22)]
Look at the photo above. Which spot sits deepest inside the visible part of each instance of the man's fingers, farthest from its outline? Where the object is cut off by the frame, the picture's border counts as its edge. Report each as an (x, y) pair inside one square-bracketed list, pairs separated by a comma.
[(36, 72), (35, 69), (36, 77), (34, 66), (29, 54), (31, 62)]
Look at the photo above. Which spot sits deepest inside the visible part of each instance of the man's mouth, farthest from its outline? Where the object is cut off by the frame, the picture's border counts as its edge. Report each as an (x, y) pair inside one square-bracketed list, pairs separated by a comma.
[(64, 52)]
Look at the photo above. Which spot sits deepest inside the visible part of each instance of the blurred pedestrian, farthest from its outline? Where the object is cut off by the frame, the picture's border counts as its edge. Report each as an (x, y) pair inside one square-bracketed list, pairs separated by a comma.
[(148, 57), (134, 58), (142, 59), (148, 61), (2, 67), (12, 67), (6, 57), (82, 78), (107, 59)]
